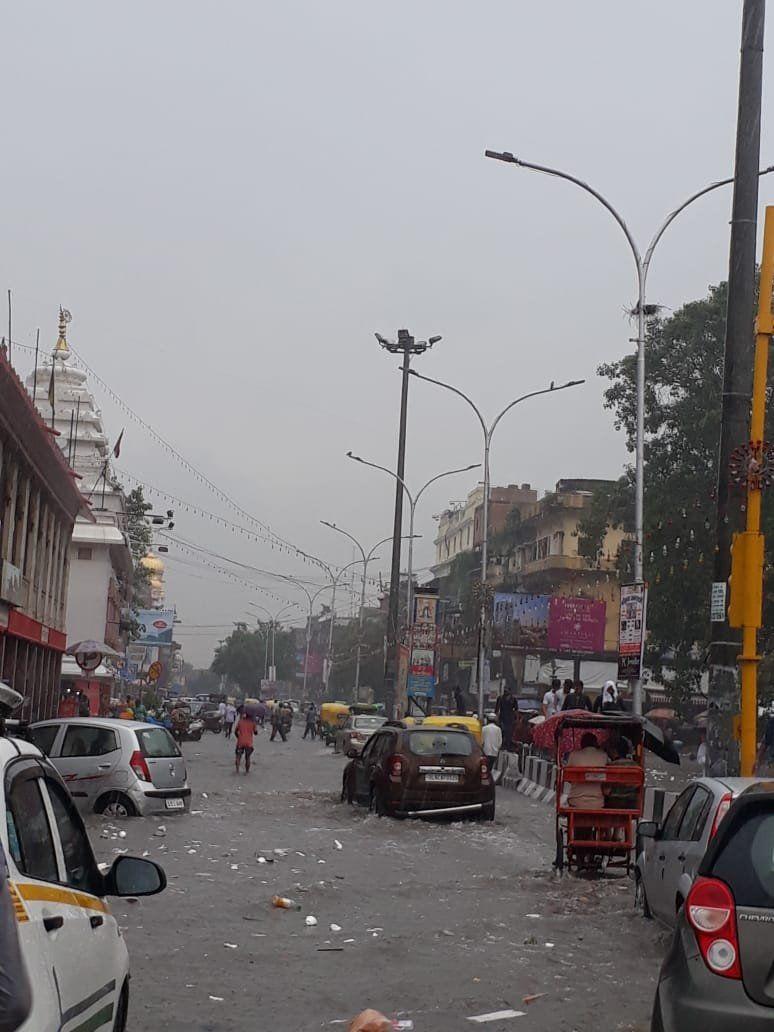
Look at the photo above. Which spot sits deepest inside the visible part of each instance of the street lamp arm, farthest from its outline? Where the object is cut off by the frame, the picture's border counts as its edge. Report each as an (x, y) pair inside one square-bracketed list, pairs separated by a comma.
[(384, 469), (673, 215), (347, 534), (454, 390), (513, 160), (448, 473), (533, 394)]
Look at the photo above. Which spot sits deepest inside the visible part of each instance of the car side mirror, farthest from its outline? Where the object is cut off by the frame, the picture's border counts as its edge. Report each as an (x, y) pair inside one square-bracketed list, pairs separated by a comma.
[(352, 753), (134, 876), (648, 829)]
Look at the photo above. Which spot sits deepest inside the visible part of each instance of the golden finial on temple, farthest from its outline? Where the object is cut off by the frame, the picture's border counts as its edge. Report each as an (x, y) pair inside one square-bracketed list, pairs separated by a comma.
[(64, 319)]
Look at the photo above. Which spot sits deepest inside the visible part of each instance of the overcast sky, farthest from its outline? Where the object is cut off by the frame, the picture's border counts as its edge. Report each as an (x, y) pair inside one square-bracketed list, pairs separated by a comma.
[(231, 198)]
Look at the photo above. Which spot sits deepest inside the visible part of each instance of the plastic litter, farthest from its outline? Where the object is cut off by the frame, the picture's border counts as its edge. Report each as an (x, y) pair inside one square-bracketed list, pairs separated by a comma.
[(532, 997), (122, 834), (337, 844), (496, 1016), (335, 928), (310, 921), (283, 903), (370, 1021), (231, 945), (217, 999)]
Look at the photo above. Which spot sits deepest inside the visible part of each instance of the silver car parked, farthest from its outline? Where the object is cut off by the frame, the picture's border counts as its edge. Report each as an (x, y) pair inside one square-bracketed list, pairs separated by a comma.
[(669, 853), (121, 768)]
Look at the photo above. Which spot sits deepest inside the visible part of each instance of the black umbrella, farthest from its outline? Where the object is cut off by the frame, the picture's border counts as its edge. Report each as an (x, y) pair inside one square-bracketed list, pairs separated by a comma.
[(655, 740)]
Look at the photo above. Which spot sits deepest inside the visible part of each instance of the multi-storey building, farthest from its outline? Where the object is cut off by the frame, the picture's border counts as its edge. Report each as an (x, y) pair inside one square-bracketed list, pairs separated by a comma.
[(39, 502)]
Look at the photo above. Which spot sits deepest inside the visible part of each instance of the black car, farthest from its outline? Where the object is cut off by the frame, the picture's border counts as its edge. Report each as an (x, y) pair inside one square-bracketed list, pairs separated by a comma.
[(719, 972), (420, 771)]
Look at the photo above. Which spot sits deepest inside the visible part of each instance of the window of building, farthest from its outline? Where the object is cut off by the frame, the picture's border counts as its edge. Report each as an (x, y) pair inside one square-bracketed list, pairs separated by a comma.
[(84, 552)]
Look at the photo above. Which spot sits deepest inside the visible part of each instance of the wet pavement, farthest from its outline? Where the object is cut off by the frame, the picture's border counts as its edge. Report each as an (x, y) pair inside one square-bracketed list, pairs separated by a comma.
[(435, 923)]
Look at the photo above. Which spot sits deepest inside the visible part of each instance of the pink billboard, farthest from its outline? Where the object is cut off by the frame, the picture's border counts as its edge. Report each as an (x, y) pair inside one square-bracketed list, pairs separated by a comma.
[(576, 624)]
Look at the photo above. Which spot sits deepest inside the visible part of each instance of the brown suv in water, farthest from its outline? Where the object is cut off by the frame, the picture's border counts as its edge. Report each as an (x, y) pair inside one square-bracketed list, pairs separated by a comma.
[(420, 772)]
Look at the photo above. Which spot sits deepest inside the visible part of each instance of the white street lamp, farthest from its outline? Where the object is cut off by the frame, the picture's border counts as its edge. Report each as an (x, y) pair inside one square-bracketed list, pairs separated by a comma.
[(642, 266), (488, 431)]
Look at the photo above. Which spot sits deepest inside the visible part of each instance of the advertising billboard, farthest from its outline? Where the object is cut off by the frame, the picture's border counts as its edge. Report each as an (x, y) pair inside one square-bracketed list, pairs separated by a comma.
[(155, 626), (631, 630), (521, 619), (576, 624)]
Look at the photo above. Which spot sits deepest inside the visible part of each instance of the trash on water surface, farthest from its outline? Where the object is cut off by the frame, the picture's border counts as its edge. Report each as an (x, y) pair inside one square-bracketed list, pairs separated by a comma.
[(532, 915), (370, 1021), (335, 928), (231, 945), (496, 1016), (532, 997), (337, 844), (217, 999), (283, 903), (310, 921)]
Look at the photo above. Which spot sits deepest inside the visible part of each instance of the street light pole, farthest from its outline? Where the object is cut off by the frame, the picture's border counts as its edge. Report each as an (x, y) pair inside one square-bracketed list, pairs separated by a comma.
[(367, 557), (642, 266), (272, 626), (413, 500), (407, 346), (488, 432)]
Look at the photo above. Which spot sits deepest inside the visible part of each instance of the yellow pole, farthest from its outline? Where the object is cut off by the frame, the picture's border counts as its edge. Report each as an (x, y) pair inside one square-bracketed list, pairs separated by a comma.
[(752, 568)]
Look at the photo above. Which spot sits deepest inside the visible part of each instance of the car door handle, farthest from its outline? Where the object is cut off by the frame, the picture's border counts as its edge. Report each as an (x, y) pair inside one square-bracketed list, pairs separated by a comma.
[(104, 766), (96, 920), (52, 923)]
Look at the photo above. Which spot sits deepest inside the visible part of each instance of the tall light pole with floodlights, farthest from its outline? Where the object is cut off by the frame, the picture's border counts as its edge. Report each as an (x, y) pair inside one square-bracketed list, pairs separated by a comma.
[(642, 267), (488, 432)]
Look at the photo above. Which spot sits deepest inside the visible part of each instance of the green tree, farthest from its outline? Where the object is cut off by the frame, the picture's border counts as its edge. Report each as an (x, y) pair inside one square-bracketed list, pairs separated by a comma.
[(345, 639), (682, 423), (242, 656)]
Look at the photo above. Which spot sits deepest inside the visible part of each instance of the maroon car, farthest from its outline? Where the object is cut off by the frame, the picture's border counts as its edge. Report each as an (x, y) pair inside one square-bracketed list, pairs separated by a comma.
[(420, 772)]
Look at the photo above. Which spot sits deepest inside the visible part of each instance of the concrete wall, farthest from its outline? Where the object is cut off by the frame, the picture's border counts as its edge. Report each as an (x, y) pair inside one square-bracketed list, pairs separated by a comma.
[(87, 593)]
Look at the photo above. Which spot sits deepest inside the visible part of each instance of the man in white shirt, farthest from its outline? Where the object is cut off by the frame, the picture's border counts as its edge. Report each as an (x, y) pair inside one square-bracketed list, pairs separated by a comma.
[(553, 699), (491, 739)]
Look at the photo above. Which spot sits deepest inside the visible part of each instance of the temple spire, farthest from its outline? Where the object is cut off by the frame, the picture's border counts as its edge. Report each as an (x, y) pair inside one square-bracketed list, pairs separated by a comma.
[(61, 344)]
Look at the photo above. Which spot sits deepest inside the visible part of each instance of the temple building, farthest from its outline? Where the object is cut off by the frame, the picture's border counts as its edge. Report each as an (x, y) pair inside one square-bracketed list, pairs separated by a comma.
[(100, 584)]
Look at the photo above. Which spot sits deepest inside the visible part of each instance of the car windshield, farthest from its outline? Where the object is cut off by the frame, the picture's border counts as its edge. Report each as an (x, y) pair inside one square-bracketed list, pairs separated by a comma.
[(157, 742), (440, 743), (746, 862), (368, 723)]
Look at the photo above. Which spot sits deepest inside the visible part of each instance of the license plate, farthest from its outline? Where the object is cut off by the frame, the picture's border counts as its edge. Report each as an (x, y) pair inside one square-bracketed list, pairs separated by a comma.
[(174, 804), (447, 779)]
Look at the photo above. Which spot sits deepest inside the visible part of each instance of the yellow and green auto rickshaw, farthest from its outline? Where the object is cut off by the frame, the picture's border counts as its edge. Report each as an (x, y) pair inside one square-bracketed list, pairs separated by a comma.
[(333, 715)]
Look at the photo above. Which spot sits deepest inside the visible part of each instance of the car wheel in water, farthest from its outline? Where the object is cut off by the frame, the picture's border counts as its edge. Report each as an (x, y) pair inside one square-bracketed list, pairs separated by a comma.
[(488, 812), (376, 803), (116, 804), (641, 897), (122, 1010)]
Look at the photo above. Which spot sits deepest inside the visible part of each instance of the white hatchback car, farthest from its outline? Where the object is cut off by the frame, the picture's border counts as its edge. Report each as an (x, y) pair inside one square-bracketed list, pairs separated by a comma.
[(76, 958), (121, 768)]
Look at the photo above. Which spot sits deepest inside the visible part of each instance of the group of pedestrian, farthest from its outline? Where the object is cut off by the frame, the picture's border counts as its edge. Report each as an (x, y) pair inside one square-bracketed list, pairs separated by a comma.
[(572, 696)]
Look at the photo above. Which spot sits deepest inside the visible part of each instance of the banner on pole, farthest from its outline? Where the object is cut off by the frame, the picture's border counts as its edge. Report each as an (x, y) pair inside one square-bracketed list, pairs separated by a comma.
[(631, 631)]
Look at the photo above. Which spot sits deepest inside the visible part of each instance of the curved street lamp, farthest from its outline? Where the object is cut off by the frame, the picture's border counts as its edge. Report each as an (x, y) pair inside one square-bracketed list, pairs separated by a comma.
[(642, 266), (413, 499), (488, 432), (367, 557)]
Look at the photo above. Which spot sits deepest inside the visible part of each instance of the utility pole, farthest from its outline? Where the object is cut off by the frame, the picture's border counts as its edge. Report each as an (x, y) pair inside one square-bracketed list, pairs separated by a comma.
[(723, 700), (407, 346)]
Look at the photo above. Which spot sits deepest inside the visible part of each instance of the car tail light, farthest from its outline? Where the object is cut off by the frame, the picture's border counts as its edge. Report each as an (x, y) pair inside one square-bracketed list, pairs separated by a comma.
[(711, 913), (722, 810), (485, 777), (139, 766), (395, 767)]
